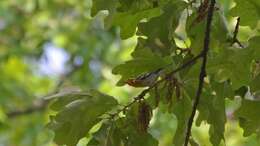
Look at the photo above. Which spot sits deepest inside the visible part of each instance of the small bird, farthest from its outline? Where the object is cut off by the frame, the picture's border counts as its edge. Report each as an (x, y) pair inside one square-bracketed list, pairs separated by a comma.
[(145, 80)]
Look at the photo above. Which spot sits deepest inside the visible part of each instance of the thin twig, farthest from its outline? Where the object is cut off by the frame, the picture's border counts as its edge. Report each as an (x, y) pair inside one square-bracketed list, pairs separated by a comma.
[(136, 99), (235, 40), (202, 72), (236, 29)]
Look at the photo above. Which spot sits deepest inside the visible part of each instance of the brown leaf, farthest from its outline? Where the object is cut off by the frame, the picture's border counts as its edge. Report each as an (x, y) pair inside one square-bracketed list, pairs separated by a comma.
[(144, 116)]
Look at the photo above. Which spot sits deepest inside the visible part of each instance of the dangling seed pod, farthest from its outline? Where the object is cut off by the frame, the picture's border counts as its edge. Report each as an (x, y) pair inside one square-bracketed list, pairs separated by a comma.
[(178, 91), (144, 116), (157, 96), (170, 89), (202, 13)]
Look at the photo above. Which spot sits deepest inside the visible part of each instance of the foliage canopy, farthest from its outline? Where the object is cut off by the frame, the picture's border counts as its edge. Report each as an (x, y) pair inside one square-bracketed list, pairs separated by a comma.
[(208, 51)]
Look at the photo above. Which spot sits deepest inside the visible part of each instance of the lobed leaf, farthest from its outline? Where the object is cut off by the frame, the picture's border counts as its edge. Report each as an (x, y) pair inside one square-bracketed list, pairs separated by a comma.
[(78, 114), (182, 110), (212, 110), (248, 11), (128, 21), (248, 115)]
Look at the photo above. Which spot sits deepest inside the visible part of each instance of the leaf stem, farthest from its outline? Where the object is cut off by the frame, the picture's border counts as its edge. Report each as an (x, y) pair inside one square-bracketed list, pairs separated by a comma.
[(202, 75)]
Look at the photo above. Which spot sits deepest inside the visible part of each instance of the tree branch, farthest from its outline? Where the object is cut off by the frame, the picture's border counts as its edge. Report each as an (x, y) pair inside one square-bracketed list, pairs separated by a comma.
[(40, 104), (141, 95), (202, 71)]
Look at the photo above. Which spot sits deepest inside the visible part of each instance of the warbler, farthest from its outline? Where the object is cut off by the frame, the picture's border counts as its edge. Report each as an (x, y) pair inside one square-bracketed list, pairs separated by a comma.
[(145, 80)]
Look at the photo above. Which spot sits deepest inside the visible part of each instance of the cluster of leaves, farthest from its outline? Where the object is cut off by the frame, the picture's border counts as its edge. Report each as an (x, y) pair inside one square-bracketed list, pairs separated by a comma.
[(26, 27), (169, 32)]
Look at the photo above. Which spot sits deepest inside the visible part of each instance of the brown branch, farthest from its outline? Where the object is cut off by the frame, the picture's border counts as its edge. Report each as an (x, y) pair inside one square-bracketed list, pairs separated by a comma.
[(202, 71), (41, 104)]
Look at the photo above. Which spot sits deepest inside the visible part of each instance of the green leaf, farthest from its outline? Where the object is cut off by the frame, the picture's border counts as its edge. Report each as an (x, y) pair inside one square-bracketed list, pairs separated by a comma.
[(137, 139), (107, 135), (248, 115), (182, 110), (212, 109), (124, 131), (254, 45), (64, 97), (128, 21), (160, 30), (103, 5), (129, 129), (129, 16), (193, 142), (255, 84), (143, 61), (134, 138), (134, 5), (78, 115), (223, 90), (218, 32), (248, 11), (233, 64)]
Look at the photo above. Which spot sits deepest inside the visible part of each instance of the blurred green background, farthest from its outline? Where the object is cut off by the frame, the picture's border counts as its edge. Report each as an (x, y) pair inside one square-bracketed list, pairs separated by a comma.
[(46, 45)]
